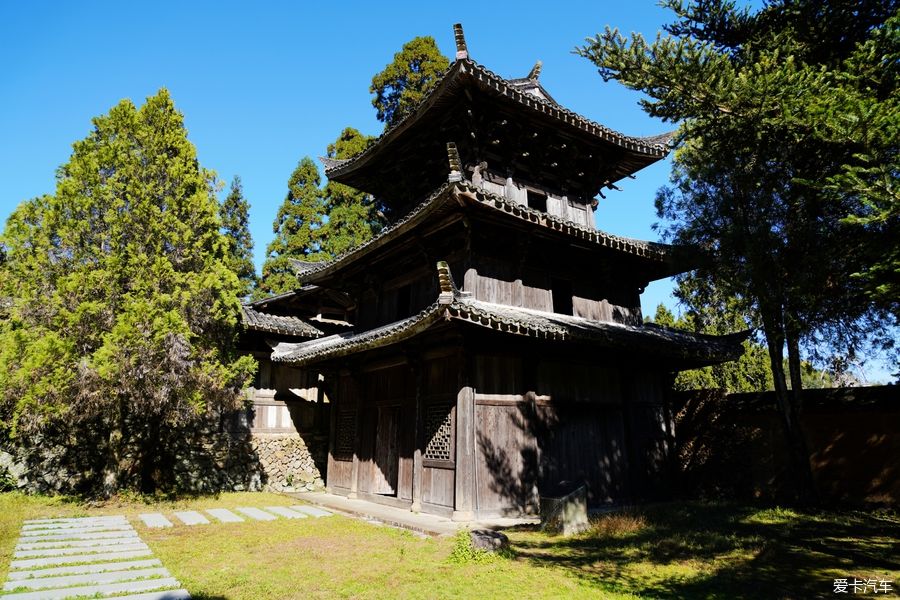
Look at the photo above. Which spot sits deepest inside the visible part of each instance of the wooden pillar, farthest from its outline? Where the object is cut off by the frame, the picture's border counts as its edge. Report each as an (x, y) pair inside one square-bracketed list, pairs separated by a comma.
[(464, 503), (354, 470), (419, 437), (332, 427)]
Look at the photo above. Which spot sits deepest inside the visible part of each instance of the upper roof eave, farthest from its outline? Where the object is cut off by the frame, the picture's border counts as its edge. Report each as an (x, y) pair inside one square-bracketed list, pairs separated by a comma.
[(652, 147)]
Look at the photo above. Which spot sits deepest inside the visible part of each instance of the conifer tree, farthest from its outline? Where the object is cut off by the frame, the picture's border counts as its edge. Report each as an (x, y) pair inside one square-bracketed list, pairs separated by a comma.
[(235, 214), (121, 332), (353, 216), (407, 79), (297, 228), (772, 162)]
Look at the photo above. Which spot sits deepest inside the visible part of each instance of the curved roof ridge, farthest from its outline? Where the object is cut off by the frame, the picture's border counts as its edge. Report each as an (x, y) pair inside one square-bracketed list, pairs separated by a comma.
[(646, 145)]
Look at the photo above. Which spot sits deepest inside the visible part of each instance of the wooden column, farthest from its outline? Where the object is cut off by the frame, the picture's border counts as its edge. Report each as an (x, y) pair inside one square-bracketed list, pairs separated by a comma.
[(419, 420), (464, 503), (354, 470), (332, 427)]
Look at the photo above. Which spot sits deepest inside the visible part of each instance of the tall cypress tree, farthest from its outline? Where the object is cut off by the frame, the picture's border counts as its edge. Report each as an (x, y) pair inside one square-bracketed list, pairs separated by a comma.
[(297, 229), (235, 214), (123, 323), (353, 216), (407, 79)]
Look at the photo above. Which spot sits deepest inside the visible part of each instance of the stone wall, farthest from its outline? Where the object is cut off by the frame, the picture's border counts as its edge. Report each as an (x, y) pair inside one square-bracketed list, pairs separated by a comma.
[(289, 462)]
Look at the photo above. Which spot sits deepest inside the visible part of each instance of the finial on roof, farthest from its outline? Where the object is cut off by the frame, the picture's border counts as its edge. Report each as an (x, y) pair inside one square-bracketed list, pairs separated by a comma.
[(448, 287), (461, 50), (455, 163), (535, 71)]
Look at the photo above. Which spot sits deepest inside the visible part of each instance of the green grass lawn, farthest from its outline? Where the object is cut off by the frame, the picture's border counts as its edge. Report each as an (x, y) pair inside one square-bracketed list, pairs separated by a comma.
[(675, 550)]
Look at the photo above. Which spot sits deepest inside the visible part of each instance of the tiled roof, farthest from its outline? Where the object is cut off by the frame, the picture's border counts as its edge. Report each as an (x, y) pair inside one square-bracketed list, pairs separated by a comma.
[(260, 321), (653, 146), (451, 305), (449, 194)]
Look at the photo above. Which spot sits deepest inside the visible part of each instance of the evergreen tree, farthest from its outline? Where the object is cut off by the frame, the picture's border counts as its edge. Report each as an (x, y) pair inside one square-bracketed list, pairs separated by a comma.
[(352, 214), (122, 327), (297, 228), (749, 89), (709, 311), (235, 214), (404, 82)]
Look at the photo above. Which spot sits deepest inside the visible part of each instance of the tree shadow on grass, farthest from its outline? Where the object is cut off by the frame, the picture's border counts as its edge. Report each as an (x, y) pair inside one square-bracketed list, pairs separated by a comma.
[(723, 551)]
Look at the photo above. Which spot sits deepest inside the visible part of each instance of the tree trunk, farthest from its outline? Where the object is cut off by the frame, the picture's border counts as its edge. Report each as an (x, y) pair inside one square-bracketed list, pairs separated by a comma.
[(798, 458), (808, 491), (114, 450)]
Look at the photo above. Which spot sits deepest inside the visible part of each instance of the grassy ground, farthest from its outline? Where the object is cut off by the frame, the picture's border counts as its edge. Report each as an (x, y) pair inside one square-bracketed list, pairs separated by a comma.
[(663, 551)]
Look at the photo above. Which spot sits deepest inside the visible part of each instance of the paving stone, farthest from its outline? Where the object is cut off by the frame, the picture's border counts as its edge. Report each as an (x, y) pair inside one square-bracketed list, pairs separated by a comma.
[(93, 535), (40, 533), (166, 595), (192, 517), (48, 527), (224, 515), (71, 551), (257, 514), (78, 543), (119, 519), (88, 578), (92, 590), (51, 561), (155, 520), (84, 569), (312, 510), (284, 511)]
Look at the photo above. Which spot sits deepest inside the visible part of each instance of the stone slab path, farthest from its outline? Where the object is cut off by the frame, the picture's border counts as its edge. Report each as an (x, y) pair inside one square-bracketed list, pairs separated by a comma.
[(223, 515), (93, 557)]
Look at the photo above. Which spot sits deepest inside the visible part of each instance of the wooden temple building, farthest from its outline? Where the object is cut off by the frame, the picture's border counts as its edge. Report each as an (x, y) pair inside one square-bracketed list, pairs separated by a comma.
[(488, 346)]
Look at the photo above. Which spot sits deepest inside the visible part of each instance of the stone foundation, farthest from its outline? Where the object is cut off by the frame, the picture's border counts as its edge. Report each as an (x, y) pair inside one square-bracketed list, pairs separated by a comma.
[(288, 463)]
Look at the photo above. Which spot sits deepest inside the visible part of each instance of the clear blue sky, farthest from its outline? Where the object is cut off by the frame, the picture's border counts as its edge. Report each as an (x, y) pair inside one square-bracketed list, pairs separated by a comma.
[(263, 84)]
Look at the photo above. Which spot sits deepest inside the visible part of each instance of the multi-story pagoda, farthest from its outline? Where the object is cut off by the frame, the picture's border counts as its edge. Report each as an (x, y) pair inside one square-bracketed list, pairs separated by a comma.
[(497, 347)]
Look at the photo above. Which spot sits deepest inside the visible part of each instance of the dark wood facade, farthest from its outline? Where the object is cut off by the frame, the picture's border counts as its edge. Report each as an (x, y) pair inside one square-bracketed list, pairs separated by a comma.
[(536, 373)]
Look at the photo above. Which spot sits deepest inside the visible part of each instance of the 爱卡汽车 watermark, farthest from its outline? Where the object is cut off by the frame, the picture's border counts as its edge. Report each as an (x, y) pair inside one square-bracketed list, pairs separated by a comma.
[(871, 585)]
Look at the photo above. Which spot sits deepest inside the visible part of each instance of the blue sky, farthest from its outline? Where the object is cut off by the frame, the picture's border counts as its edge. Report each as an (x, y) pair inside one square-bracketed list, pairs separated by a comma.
[(263, 84)]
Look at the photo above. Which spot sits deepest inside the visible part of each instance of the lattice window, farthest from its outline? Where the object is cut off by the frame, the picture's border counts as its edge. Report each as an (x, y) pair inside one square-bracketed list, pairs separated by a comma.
[(345, 436), (439, 432)]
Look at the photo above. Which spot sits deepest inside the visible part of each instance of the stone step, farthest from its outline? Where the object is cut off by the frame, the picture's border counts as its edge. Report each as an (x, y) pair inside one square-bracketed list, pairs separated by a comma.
[(72, 551), (166, 595), (79, 524), (256, 514), (83, 569), (311, 510), (79, 530), (119, 519), (284, 511), (88, 578), (93, 590), (78, 543), (85, 558), (224, 515), (155, 520), (192, 517), (93, 535)]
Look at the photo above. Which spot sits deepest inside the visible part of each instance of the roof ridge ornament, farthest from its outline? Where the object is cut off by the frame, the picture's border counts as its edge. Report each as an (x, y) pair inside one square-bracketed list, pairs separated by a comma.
[(449, 291), (462, 52), (535, 72), (455, 163)]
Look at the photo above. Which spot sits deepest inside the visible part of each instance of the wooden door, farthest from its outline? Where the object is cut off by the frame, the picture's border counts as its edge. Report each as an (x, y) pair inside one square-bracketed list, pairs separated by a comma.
[(387, 455)]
